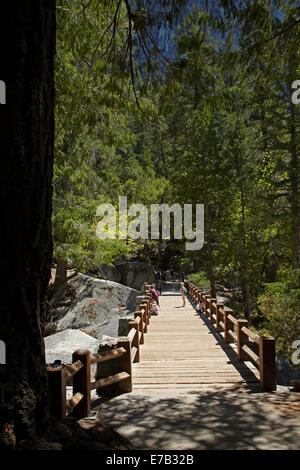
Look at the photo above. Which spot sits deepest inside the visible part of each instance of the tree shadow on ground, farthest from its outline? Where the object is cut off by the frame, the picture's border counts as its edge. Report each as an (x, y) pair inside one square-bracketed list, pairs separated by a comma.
[(215, 419)]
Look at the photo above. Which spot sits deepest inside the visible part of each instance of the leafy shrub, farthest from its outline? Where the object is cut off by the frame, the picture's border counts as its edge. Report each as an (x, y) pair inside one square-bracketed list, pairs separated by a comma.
[(280, 308), (200, 280)]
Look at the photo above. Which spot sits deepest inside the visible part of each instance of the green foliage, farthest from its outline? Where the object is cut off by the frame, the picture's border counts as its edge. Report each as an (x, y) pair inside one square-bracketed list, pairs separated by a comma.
[(200, 280), (280, 310), (91, 121)]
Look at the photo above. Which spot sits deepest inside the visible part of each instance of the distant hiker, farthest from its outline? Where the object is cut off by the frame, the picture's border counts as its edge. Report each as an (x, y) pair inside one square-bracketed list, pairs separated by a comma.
[(155, 295), (183, 293), (154, 309)]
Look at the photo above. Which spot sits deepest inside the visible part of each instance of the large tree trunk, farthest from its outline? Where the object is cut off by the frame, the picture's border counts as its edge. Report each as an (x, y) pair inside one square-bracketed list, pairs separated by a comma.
[(208, 234), (245, 267), (293, 171), (27, 36)]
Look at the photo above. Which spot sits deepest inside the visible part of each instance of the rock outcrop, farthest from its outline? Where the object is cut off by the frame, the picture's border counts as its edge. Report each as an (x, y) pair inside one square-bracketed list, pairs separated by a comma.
[(97, 307), (285, 372), (129, 273), (134, 273), (61, 346)]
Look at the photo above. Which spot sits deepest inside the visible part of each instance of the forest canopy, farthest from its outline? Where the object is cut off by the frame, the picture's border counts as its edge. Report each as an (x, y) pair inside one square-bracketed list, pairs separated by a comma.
[(213, 123)]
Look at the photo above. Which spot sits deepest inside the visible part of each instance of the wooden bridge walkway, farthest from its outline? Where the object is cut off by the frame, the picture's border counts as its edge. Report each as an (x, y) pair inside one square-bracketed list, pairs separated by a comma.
[(183, 352), (187, 388)]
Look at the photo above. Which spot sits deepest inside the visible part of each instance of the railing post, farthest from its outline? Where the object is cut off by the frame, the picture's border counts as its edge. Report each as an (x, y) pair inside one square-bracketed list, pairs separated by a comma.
[(267, 364), (82, 381), (141, 328), (136, 339), (218, 314), (227, 324), (148, 305), (200, 296), (206, 304), (190, 296), (125, 365), (57, 387), (212, 300), (144, 315), (148, 311), (146, 287), (242, 338), (145, 307), (197, 296)]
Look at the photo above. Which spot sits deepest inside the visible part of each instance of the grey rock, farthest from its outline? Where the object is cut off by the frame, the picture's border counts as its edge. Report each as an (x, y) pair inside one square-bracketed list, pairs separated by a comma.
[(62, 345), (129, 273), (110, 273), (223, 300), (221, 288), (139, 300), (107, 343), (135, 273), (99, 303), (285, 372), (106, 328), (124, 326)]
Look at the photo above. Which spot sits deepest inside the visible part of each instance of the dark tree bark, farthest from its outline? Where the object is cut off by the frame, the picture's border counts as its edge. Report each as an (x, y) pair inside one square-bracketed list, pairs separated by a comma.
[(244, 264), (27, 37), (294, 180), (294, 177), (208, 234)]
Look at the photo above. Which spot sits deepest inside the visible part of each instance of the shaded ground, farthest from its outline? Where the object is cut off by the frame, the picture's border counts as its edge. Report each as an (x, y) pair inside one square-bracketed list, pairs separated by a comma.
[(221, 419)]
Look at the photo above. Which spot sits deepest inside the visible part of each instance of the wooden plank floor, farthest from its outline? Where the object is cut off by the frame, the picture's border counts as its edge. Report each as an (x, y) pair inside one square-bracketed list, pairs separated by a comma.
[(184, 353)]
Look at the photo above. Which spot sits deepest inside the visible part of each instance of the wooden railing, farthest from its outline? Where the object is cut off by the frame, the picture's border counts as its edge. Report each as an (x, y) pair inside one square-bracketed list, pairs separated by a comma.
[(260, 350), (127, 352)]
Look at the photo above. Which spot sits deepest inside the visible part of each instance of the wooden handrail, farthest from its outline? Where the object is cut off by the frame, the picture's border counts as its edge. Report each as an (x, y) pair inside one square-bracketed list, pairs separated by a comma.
[(71, 370), (107, 355), (251, 335), (232, 335), (109, 380), (136, 340), (134, 352), (232, 319), (72, 402), (251, 354), (226, 324), (131, 334), (126, 352)]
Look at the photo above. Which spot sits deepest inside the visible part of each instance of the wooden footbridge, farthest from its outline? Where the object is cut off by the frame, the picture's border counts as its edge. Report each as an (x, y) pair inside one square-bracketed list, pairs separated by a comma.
[(179, 350), (184, 352)]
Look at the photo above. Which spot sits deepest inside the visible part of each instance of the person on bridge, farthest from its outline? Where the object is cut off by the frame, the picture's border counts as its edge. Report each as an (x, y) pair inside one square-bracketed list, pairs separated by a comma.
[(155, 294), (183, 293), (154, 309)]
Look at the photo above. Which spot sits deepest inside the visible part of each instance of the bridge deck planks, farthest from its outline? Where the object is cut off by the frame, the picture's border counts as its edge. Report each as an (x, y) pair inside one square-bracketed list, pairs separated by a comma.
[(182, 351)]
